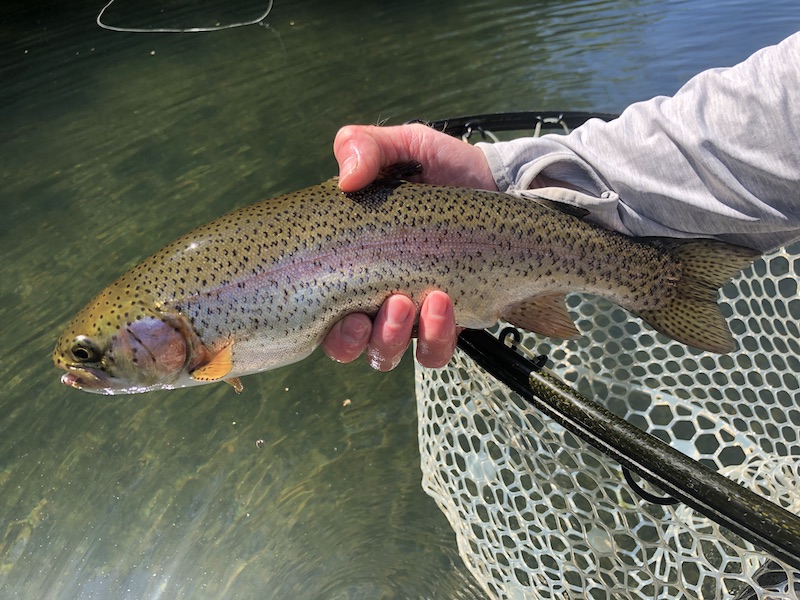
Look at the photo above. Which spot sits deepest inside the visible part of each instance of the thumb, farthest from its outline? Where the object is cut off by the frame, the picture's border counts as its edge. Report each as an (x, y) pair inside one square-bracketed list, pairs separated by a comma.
[(363, 150)]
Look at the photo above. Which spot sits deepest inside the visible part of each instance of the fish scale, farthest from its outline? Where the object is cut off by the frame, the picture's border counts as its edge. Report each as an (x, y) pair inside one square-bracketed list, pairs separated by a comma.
[(258, 288)]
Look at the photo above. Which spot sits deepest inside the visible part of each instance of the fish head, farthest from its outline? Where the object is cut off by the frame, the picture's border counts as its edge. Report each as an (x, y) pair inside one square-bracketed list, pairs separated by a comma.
[(122, 346)]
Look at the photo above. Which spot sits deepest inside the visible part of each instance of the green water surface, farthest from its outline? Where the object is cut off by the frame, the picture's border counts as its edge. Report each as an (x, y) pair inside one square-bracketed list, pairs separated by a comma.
[(112, 144)]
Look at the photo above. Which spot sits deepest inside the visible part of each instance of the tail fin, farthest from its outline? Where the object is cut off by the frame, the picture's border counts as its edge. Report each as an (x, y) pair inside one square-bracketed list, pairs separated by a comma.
[(693, 316)]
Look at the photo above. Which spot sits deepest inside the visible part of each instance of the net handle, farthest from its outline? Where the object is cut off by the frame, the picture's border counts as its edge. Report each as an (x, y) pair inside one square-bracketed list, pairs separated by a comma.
[(754, 518)]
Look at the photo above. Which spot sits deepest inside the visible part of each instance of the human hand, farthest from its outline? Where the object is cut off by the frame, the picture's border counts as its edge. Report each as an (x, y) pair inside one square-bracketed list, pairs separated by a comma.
[(387, 338), (362, 151)]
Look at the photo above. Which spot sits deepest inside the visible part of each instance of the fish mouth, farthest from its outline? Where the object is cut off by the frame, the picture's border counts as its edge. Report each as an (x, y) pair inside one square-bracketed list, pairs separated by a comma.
[(97, 381), (89, 380)]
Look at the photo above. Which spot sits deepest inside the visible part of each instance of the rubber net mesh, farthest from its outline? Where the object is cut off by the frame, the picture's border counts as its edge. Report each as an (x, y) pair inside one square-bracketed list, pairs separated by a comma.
[(538, 513)]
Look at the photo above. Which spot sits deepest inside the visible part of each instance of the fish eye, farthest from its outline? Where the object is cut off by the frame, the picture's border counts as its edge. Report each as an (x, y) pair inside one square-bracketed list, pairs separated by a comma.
[(84, 350)]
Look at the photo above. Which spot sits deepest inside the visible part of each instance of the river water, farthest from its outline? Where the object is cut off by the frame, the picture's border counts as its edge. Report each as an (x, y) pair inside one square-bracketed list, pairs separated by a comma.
[(114, 143)]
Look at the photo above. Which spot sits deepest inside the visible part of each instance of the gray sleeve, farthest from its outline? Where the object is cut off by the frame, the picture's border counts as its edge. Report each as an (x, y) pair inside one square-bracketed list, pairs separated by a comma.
[(720, 158)]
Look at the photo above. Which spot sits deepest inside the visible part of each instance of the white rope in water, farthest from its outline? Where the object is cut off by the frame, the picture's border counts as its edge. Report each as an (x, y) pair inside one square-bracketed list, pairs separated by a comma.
[(256, 21)]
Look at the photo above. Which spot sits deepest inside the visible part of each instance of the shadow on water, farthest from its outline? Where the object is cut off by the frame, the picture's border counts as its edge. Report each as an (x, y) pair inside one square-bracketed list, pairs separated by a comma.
[(112, 144)]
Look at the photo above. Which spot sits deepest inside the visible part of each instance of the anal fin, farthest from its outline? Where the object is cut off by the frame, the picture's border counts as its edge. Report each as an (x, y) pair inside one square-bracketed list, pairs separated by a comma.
[(545, 314)]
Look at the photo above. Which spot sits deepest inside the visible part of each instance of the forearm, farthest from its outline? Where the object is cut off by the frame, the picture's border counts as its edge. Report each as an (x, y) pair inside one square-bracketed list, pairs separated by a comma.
[(720, 158)]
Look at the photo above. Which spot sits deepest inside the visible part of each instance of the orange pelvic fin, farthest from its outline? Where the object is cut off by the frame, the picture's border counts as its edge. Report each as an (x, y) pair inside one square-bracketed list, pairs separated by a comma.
[(217, 367)]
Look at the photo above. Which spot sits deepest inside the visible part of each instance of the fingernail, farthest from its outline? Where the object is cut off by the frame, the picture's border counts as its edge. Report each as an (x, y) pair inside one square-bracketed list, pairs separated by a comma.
[(348, 167), (398, 313), (438, 305)]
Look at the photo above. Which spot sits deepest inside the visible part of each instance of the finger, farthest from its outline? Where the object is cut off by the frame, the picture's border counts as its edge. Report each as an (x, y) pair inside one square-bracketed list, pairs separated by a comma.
[(437, 331), (363, 150), (360, 157), (391, 332), (348, 338)]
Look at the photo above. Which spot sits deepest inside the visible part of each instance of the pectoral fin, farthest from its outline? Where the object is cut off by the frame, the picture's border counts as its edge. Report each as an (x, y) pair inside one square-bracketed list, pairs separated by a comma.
[(217, 367), (546, 314)]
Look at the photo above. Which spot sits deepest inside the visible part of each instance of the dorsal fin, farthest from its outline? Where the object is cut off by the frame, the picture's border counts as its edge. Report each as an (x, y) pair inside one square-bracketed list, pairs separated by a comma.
[(401, 170)]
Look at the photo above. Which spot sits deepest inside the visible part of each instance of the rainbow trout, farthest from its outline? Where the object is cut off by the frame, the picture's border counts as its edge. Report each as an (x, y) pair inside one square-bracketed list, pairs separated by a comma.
[(260, 287)]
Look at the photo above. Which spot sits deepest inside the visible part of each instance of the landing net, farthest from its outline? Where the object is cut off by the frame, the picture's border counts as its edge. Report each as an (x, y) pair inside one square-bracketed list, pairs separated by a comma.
[(538, 513)]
